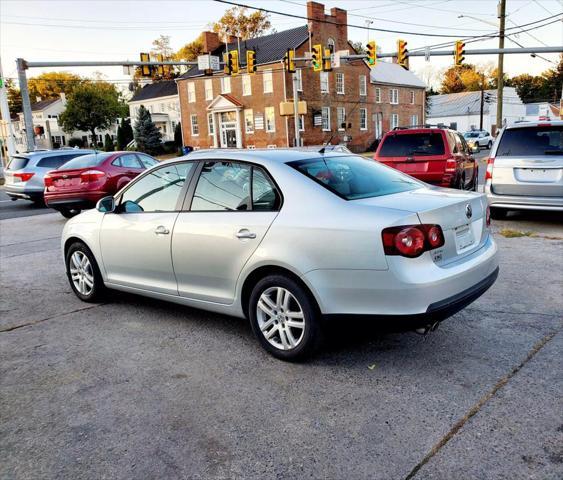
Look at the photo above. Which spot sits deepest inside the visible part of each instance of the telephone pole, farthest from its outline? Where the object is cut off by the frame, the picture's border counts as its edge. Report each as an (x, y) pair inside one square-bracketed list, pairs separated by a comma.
[(482, 101), (500, 69)]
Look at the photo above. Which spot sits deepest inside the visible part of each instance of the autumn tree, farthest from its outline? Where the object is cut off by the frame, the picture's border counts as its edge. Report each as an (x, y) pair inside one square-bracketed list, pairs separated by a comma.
[(190, 51), (235, 21), (161, 46), (14, 98), (52, 84)]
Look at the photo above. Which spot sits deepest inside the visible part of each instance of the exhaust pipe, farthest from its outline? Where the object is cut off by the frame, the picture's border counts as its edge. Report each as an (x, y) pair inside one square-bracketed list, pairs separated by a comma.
[(431, 327)]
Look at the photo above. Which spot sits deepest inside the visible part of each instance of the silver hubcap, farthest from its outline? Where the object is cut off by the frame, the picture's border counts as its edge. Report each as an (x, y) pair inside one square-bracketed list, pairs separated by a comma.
[(280, 318), (81, 273)]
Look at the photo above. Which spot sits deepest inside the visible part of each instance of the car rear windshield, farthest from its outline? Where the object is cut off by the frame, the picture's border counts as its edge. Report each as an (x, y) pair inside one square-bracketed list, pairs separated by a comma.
[(471, 135), (352, 177), (17, 163), (408, 144), (531, 141), (86, 161)]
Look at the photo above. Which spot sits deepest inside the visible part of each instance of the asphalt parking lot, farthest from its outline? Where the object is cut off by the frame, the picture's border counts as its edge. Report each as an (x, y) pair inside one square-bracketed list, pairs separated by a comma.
[(136, 388)]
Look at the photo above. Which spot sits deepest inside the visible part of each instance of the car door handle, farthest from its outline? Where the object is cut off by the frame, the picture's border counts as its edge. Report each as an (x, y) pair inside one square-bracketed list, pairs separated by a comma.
[(160, 230), (244, 233)]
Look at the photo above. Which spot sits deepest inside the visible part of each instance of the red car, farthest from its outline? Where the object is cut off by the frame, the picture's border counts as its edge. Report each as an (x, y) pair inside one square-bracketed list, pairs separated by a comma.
[(434, 155), (81, 182)]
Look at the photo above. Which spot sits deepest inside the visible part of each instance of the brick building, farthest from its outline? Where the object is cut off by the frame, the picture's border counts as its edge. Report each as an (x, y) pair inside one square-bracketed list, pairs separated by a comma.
[(243, 111)]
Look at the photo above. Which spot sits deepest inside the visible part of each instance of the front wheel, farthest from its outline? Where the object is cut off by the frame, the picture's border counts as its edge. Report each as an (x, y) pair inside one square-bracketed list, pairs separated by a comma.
[(83, 273), (284, 318), (489, 145), (69, 212)]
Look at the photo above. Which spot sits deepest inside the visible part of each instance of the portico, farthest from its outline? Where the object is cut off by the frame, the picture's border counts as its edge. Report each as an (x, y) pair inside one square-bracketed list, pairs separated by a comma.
[(225, 121)]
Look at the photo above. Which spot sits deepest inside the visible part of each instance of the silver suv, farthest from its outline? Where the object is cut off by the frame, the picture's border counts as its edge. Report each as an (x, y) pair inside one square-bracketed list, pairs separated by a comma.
[(24, 174), (525, 168)]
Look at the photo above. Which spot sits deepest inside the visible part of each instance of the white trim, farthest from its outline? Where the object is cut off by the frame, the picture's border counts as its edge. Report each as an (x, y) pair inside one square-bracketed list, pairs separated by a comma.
[(337, 84), (268, 75), (191, 92), (251, 116), (192, 115), (323, 77), (273, 110), (208, 82), (363, 85), (377, 95), (393, 123), (394, 96), (246, 79), (224, 82), (327, 110), (412, 97), (340, 118), (365, 118)]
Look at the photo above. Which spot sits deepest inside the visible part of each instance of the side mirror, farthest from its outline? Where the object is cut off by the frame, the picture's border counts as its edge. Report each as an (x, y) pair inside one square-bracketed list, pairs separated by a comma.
[(106, 205)]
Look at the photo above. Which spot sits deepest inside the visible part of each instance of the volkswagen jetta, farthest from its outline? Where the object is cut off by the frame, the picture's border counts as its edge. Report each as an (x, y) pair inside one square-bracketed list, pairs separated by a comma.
[(286, 238)]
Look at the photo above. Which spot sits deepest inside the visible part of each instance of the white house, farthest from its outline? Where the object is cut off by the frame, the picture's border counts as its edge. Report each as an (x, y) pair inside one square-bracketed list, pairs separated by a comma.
[(162, 101), (542, 111), (461, 111), (48, 133)]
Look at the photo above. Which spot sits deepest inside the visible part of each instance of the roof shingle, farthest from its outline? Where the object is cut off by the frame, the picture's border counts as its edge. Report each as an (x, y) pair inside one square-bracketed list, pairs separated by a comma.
[(164, 88)]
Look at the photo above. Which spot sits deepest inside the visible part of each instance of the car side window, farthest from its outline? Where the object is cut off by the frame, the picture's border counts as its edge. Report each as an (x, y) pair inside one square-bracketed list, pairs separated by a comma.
[(56, 161), (117, 162), (130, 161), (223, 186), (464, 146), (158, 191), (265, 197), (147, 161)]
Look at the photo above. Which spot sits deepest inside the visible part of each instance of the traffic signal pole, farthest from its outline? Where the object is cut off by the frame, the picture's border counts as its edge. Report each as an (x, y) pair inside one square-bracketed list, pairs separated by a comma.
[(296, 109), (500, 68)]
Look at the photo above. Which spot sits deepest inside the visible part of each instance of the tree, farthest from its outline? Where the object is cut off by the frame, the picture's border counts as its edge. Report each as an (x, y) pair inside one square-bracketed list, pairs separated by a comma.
[(552, 80), (463, 78), (161, 46), (91, 106), (108, 143), (14, 98), (178, 140), (124, 134), (52, 84), (190, 51), (236, 22), (147, 136)]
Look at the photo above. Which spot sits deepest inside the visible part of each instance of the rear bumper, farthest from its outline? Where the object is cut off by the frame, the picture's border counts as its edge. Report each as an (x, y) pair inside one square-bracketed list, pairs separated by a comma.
[(524, 202), (74, 199), (16, 192)]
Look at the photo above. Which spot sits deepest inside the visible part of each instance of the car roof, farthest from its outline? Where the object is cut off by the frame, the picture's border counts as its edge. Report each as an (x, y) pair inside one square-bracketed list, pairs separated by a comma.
[(534, 123), (43, 153), (406, 130)]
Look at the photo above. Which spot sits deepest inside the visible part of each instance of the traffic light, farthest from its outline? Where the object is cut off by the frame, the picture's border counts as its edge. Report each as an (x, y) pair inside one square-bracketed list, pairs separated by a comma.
[(289, 61), (402, 54), (372, 53), (145, 69), (327, 60), (317, 58), (228, 63), (231, 63), (459, 53), (250, 61), (160, 68)]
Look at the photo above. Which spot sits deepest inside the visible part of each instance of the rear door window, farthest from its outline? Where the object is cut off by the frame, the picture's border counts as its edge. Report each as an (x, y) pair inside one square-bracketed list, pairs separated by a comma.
[(130, 161), (406, 145), (86, 161), (531, 141), (55, 161), (17, 163), (147, 161)]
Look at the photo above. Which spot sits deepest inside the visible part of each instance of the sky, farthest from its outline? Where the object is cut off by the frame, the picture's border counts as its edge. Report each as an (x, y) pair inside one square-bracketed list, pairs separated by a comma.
[(43, 30)]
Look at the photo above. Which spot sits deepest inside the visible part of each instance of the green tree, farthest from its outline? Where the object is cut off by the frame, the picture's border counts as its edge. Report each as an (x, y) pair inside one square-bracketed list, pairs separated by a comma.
[(235, 21), (52, 84), (178, 140), (147, 136), (124, 134), (108, 143), (92, 106), (14, 98)]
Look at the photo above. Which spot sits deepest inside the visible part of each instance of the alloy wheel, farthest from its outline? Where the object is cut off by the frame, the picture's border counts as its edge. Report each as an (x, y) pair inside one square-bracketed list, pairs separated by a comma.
[(280, 318), (81, 273)]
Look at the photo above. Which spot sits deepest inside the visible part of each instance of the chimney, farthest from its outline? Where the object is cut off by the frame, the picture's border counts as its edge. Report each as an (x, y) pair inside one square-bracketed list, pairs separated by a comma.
[(315, 11), (323, 26), (340, 17), (38, 99), (210, 41)]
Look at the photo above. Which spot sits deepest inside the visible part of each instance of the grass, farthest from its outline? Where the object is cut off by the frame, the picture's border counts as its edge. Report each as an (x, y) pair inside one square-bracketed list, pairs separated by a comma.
[(509, 233)]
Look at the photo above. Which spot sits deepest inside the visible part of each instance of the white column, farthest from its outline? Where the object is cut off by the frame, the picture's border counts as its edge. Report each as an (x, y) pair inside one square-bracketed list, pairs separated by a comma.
[(239, 130), (215, 129)]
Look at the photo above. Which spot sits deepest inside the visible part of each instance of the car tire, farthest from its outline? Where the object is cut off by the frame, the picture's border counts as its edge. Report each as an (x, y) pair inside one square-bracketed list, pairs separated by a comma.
[(282, 312), (83, 273), (38, 202), (69, 212), (490, 145), (498, 213)]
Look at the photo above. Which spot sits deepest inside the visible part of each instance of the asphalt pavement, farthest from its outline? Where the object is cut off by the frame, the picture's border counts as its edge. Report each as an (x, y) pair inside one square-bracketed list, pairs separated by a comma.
[(137, 388)]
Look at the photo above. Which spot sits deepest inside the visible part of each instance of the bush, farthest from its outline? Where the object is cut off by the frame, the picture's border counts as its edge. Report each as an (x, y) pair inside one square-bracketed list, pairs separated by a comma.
[(108, 143), (75, 142), (169, 147)]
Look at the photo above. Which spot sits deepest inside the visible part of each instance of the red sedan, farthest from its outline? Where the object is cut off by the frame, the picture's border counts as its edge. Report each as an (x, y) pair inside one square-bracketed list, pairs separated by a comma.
[(81, 182)]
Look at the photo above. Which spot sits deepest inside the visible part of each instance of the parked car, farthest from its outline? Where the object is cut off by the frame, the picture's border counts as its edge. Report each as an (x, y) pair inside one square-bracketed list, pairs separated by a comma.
[(25, 171), (80, 183), (479, 138), (285, 237), (434, 155), (525, 168)]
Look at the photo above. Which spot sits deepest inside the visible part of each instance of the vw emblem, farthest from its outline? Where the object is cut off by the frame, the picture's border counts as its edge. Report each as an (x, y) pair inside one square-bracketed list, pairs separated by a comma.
[(468, 211)]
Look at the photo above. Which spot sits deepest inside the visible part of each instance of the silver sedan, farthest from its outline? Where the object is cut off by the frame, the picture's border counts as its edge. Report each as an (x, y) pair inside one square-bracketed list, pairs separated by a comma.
[(286, 238)]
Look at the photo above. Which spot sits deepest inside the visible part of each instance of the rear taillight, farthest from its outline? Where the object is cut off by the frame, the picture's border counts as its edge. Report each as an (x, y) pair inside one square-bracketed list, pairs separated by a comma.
[(48, 180), (488, 216), (412, 240), (24, 177), (91, 176), (489, 172), (451, 164)]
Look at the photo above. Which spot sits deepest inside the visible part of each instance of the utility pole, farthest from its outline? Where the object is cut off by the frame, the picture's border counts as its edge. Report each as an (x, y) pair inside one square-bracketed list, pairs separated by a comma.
[(5, 110), (26, 104), (500, 69), (482, 101), (296, 109)]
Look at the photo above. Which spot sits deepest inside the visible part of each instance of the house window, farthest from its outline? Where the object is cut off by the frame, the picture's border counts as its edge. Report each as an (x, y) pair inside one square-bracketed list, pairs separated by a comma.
[(270, 119), (299, 75), (363, 118), (195, 125), (394, 120), (324, 82), (301, 123), (378, 95), (341, 118), (340, 83), (225, 84), (210, 126), (209, 89), (246, 85), (268, 81), (326, 119), (363, 85), (394, 96), (412, 97), (414, 120), (191, 92), (249, 121)]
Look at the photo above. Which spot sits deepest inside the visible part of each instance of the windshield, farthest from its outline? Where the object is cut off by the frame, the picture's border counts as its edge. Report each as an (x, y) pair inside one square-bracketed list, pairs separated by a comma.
[(471, 135), (531, 141), (353, 177), (86, 161), (17, 163), (404, 145)]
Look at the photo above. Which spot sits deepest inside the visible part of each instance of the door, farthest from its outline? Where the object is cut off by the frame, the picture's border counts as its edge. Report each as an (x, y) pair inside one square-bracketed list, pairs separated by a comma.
[(232, 208), (228, 130), (378, 125), (468, 162), (135, 240)]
